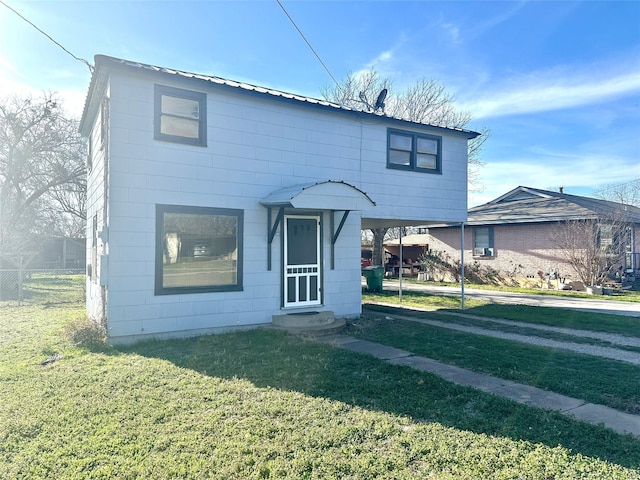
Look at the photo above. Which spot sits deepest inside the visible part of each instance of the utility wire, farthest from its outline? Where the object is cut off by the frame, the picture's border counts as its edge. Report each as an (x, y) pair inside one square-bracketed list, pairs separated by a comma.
[(307, 42), (48, 36)]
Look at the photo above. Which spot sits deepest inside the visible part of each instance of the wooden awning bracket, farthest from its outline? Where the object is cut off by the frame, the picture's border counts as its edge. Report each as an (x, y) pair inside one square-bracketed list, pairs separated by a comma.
[(336, 233), (271, 231)]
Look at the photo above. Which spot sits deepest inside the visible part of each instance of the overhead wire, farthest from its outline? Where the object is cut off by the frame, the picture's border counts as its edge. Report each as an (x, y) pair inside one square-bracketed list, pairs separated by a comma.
[(307, 42), (48, 36)]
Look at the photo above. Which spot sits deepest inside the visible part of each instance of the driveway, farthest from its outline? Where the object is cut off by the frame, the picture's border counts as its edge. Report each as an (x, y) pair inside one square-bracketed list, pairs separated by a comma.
[(630, 309)]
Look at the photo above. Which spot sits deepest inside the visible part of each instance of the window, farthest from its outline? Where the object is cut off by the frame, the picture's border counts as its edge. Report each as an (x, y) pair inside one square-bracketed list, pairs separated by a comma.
[(411, 151), (198, 249), (180, 116), (483, 242)]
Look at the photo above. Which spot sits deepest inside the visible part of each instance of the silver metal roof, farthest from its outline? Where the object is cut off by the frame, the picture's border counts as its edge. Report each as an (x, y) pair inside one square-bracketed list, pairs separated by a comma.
[(325, 195), (104, 63)]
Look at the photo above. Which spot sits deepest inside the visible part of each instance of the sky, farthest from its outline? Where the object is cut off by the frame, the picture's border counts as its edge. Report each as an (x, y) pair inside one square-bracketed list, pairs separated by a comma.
[(557, 83)]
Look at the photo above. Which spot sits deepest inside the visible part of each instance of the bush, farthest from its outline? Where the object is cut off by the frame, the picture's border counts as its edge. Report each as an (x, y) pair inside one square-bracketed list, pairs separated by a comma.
[(87, 333)]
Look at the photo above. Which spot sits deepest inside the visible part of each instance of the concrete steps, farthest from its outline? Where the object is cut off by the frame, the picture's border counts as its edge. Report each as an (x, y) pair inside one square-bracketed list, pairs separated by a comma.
[(309, 323)]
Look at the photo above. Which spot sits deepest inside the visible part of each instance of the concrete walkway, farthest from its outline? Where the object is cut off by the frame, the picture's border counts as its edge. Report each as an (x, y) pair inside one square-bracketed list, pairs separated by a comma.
[(580, 409), (630, 309), (626, 356)]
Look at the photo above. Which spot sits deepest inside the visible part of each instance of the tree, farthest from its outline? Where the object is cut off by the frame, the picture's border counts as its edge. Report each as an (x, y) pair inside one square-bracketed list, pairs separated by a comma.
[(594, 248), (427, 101), (42, 172), (627, 193)]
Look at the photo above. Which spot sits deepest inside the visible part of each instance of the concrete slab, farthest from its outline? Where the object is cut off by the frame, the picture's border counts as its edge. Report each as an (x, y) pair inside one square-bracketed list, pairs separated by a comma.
[(378, 350), (613, 419), (597, 414)]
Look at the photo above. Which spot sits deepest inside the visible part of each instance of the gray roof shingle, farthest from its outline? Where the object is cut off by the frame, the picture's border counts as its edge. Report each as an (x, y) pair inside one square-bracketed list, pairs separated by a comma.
[(532, 205)]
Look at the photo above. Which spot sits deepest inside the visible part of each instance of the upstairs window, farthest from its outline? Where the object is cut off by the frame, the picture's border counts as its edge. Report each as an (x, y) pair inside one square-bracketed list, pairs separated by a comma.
[(412, 151), (180, 116)]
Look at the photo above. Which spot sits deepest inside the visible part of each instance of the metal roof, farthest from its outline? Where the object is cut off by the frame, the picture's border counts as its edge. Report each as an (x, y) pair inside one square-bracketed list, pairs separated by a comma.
[(326, 195), (105, 63)]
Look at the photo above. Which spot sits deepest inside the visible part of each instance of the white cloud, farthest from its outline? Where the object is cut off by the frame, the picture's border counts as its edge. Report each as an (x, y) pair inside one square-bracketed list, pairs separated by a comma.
[(552, 90), (549, 171)]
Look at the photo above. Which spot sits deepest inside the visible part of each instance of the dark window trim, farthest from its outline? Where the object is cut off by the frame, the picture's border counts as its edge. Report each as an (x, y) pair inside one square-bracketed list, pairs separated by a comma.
[(160, 211), (201, 98), (412, 165), (490, 247)]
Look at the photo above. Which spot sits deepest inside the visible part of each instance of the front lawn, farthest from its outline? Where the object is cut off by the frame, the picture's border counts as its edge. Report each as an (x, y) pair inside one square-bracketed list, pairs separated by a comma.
[(261, 404)]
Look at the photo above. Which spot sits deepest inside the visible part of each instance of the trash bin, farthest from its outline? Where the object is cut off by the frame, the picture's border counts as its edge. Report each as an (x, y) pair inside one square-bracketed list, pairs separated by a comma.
[(374, 275)]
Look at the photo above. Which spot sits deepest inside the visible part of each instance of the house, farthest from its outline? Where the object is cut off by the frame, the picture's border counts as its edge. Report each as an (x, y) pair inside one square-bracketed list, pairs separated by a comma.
[(217, 205), (513, 235)]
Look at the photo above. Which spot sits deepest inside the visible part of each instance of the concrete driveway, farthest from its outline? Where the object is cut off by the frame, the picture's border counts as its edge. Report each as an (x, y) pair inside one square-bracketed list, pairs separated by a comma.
[(630, 309)]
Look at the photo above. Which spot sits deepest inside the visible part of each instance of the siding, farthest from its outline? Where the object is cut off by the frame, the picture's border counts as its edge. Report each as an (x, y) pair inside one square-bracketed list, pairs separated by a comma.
[(255, 146)]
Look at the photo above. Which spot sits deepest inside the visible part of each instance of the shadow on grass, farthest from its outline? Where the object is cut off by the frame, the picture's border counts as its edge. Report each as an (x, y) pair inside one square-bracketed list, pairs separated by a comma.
[(270, 358)]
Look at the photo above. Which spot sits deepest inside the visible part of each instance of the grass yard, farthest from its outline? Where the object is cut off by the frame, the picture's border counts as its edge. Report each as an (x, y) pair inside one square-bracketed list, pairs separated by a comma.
[(599, 322), (627, 295), (260, 404)]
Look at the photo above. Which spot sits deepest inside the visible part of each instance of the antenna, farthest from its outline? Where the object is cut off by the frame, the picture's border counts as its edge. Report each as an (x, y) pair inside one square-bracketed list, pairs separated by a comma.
[(379, 105), (380, 100)]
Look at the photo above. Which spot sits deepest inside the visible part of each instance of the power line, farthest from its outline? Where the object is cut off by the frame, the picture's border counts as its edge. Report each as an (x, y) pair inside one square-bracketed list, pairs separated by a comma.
[(307, 42), (48, 36)]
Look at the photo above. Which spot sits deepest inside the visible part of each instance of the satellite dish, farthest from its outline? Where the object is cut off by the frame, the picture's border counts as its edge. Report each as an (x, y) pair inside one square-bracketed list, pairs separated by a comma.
[(380, 100)]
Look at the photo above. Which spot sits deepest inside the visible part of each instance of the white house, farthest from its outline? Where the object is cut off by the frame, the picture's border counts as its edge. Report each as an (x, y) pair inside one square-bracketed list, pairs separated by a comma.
[(217, 205)]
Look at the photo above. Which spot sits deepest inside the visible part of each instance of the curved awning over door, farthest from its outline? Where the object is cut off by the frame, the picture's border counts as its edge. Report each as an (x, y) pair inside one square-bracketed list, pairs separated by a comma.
[(326, 195)]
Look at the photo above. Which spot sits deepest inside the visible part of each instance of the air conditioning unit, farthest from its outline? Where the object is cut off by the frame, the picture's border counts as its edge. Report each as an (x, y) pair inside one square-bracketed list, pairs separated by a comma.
[(483, 252)]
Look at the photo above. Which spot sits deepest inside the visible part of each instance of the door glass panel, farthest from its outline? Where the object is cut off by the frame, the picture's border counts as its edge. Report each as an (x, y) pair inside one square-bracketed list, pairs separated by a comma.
[(302, 286), (313, 288), (302, 241), (291, 289)]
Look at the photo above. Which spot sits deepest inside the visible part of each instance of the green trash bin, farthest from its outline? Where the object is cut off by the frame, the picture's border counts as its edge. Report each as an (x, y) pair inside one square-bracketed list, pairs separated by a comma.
[(374, 275)]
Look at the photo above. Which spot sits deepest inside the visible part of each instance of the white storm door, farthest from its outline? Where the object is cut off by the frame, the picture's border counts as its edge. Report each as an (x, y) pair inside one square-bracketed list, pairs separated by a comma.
[(302, 261)]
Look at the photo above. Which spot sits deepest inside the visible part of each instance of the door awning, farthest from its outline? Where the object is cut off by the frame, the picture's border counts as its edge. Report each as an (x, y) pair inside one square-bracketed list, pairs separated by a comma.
[(326, 195)]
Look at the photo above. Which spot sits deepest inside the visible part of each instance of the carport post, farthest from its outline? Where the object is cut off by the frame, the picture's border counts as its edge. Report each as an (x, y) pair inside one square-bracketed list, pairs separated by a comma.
[(400, 269), (462, 264)]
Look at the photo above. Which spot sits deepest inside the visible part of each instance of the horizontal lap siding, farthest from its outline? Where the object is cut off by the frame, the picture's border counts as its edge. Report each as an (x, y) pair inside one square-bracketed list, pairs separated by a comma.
[(255, 147)]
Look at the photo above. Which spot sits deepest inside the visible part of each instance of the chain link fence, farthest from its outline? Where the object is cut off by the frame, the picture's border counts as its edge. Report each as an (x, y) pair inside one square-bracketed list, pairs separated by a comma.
[(13, 280)]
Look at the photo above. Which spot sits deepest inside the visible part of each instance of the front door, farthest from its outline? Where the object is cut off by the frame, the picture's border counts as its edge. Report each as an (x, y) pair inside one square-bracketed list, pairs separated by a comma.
[(302, 261)]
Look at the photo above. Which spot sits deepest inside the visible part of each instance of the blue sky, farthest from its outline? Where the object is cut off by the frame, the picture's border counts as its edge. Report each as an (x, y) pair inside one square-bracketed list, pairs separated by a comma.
[(557, 83)]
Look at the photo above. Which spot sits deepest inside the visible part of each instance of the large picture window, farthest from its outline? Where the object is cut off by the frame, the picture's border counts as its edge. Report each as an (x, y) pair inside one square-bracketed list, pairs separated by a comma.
[(412, 151), (180, 116), (198, 249)]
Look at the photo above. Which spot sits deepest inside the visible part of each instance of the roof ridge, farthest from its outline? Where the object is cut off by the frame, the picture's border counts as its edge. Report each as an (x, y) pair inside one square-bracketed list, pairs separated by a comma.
[(102, 59)]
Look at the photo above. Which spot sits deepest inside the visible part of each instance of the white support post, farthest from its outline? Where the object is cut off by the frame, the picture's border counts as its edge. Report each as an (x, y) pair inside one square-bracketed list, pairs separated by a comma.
[(462, 264)]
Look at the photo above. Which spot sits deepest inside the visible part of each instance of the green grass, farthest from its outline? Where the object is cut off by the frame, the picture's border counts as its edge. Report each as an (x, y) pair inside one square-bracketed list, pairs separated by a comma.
[(261, 404), (631, 295), (599, 322), (590, 378)]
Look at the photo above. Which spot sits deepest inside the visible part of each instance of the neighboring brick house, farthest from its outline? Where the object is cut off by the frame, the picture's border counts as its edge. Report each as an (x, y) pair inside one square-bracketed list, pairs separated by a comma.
[(513, 233), (215, 205)]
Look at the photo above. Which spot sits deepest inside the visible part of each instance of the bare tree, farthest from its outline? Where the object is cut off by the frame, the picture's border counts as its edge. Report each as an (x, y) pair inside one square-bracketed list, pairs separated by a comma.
[(42, 171), (594, 248), (427, 101), (627, 193)]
